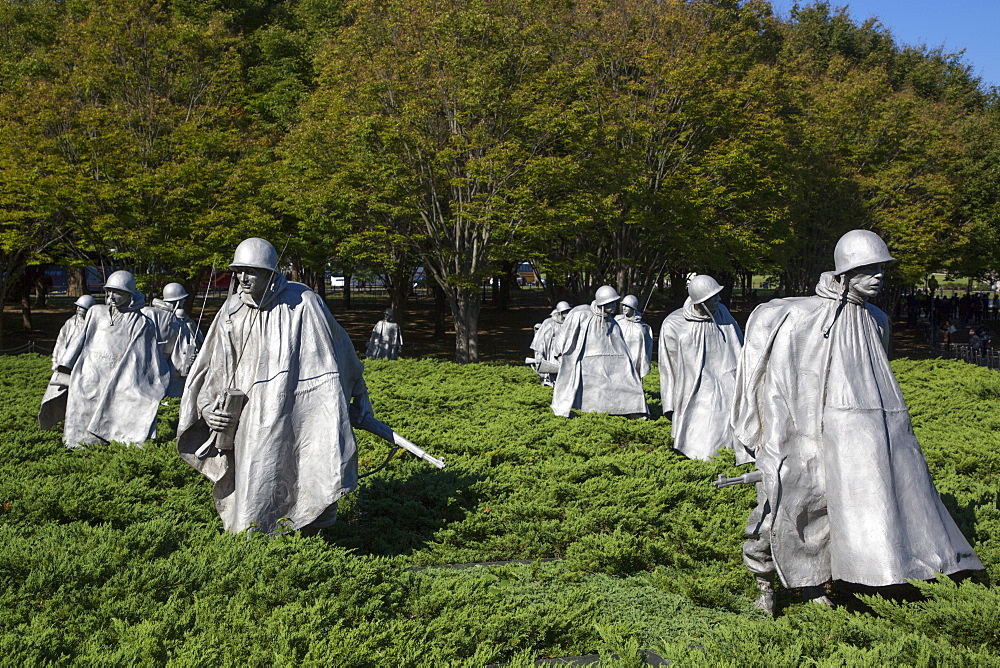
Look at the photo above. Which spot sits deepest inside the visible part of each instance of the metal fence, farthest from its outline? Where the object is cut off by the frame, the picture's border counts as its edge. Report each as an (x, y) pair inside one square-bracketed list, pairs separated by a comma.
[(29, 347), (988, 357)]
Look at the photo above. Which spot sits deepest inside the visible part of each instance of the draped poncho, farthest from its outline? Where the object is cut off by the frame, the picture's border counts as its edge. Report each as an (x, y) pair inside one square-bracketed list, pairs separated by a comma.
[(543, 343), (698, 356), (295, 453), (639, 341), (845, 480), (53, 408), (386, 342), (117, 380), (596, 372), (178, 343)]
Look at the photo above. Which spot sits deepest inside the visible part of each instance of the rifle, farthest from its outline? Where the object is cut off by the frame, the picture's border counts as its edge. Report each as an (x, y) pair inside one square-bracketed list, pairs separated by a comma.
[(386, 433), (745, 479), (543, 366)]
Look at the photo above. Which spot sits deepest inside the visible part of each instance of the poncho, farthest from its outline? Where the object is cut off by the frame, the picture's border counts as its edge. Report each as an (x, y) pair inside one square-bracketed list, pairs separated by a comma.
[(698, 356), (177, 343), (53, 407), (543, 342), (294, 453), (596, 372), (117, 381), (639, 341), (846, 488), (386, 342)]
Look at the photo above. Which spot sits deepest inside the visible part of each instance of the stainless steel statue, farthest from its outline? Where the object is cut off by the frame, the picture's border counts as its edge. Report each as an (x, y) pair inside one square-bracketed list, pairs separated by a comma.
[(386, 342), (265, 412), (596, 371), (699, 347), (118, 376), (543, 343), (846, 493), (638, 335), (54, 401), (179, 338)]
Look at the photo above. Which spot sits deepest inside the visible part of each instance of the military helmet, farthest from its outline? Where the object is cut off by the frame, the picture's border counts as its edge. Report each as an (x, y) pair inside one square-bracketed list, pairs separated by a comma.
[(174, 292), (605, 295), (255, 253), (702, 287), (563, 307), (858, 248), (121, 280), (86, 301), (631, 300)]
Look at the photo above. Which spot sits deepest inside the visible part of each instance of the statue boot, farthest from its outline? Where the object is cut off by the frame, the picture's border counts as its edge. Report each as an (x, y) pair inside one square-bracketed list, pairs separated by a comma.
[(765, 601)]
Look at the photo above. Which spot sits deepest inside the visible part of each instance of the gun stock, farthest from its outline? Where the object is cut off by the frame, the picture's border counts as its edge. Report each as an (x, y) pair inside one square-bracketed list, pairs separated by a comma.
[(746, 479)]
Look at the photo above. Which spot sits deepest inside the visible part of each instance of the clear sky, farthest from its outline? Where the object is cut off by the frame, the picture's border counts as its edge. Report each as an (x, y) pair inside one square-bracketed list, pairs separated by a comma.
[(972, 25)]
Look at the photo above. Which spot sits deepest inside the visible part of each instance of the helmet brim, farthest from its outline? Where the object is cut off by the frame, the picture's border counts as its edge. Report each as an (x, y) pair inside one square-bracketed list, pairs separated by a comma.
[(708, 296), (882, 259)]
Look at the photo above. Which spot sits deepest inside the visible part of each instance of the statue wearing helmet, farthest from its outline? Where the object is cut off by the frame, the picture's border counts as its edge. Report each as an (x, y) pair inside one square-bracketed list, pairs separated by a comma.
[(117, 376), (596, 371), (699, 347), (386, 341), (543, 342), (53, 407), (288, 454), (178, 334), (638, 335), (845, 492)]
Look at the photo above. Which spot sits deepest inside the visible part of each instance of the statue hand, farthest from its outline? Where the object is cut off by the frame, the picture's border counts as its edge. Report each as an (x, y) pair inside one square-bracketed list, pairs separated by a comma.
[(216, 420)]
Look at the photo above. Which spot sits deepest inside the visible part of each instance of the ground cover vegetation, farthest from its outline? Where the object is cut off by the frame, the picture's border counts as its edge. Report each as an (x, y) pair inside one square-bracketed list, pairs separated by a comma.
[(114, 555), (608, 142)]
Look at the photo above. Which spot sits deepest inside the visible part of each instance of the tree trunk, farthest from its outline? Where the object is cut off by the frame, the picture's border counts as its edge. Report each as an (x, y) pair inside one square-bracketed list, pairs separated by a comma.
[(399, 284), (726, 279), (678, 289), (465, 303), (41, 283), (319, 283), (76, 282), (347, 291)]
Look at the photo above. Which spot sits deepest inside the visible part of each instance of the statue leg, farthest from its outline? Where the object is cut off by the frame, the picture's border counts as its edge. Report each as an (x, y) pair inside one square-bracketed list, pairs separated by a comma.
[(757, 552)]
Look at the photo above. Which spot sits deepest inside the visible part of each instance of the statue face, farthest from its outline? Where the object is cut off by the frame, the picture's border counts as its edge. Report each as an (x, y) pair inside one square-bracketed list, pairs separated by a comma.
[(865, 282), (81, 312), (253, 281), (627, 311), (610, 310), (117, 298), (712, 303)]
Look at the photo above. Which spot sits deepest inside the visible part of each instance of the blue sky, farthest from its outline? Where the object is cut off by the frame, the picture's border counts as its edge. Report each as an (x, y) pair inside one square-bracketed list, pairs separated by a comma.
[(973, 25)]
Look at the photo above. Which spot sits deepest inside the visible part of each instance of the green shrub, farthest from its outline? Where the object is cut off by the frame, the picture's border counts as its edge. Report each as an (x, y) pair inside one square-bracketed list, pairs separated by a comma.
[(114, 555)]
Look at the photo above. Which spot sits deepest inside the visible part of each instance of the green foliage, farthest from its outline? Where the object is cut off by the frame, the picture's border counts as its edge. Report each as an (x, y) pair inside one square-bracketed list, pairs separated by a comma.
[(115, 555)]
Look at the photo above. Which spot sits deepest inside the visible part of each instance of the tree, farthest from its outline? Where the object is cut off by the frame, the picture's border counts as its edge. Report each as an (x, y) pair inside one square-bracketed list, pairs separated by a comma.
[(449, 99)]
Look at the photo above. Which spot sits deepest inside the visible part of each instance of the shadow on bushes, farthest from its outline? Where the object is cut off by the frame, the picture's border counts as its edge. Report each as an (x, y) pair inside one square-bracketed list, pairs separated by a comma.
[(389, 517)]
